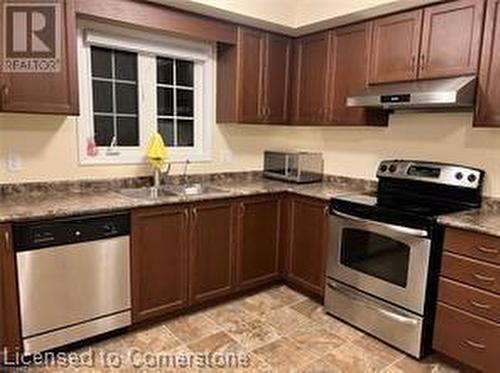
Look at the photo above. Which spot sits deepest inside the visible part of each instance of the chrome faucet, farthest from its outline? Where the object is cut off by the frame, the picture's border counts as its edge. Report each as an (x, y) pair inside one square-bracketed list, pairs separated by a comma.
[(157, 176), (185, 177)]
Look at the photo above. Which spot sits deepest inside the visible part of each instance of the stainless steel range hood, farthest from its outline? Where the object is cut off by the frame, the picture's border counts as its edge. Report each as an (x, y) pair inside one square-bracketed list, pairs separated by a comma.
[(449, 93)]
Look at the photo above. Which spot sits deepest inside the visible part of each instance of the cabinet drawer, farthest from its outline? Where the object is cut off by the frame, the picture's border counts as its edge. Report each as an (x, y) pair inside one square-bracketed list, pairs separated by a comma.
[(474, 245), (472, 272), (467, 338), (478, 302)]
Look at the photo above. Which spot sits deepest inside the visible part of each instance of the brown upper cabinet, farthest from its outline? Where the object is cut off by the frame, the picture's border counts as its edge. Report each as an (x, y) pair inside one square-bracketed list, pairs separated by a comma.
[(487, 107), (394, 49), (438, 41), (349, 75), (55, 92), (451, 39), (311, 60), (253, 78)]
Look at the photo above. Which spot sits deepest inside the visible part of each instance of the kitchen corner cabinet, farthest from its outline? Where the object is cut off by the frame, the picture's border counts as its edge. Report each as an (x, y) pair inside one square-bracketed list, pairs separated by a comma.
[(253, 78), (258, 241), (487, 107), (10, 330), (435, 42), (159, 261), (50, 92), (305, 261), (212, 250), (311, 59)]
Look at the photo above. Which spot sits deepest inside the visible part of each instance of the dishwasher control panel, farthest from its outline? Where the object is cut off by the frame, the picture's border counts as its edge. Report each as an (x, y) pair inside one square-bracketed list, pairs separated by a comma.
[(56, 232)]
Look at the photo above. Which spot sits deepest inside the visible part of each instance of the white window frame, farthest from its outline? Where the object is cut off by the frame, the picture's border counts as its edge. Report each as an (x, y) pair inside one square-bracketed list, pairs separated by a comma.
[(148, 46)]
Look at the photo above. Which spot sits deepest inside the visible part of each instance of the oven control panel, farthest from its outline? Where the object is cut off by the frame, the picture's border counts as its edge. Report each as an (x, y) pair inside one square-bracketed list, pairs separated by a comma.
[(441, 173)]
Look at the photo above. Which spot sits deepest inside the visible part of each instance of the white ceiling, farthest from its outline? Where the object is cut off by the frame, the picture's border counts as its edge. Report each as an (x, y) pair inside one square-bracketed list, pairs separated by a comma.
[(294, 17)]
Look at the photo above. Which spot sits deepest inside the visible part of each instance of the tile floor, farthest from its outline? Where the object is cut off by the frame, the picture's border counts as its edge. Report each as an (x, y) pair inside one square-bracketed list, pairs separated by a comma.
[(278, 330)]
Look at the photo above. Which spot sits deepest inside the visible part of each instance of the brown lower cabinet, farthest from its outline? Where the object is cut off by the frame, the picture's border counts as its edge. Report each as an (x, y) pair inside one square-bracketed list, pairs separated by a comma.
[(258, 241), (212, 250), (159, 261), (190, 254), (10, 327), (305, 259), (467, 324)]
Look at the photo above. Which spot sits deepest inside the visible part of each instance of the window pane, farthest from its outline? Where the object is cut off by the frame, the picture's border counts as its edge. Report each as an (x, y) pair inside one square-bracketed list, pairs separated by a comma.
[(125, 65), (127, 131), (102, 96), (184, 72), (185, 102), (166, 130), (165, 101), (126, 98), (165, 70), (103, 130), (185, 133), (101, 62)]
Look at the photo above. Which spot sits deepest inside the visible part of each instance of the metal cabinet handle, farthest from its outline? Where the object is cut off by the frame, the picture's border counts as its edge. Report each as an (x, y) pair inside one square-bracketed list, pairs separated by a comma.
[(186, 214), (422, 62), (473, 344), (195, 214), (479, 305), (5, 89), (327, 211), (396, 228), (7, 238), (413, 62), (242, 208), (484, 278), (487, 250)]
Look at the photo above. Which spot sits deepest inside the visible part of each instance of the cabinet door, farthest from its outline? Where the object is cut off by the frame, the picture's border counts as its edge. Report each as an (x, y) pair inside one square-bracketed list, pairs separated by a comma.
[(251, 48), (308, 243), (159, 261), (395, 47), (212, 251), (487, 107), (349, 75), (56, 92), (277, 78), (10, 326), (311, 63), (258, 241), (451, 39)]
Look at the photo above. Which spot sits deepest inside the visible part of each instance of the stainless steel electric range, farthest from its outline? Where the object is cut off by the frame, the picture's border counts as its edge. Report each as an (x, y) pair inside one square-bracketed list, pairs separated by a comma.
[(384, 250)]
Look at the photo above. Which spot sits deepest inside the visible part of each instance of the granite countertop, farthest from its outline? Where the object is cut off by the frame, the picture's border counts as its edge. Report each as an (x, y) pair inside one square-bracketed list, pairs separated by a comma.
[(484, 220), (20, 202), (51, 204)]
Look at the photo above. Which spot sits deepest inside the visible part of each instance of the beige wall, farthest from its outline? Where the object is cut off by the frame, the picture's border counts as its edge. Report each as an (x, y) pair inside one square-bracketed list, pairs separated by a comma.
[(48, 147)]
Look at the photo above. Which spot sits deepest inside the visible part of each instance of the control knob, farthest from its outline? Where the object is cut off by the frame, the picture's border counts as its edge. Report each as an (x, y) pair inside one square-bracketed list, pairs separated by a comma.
[(459, 176), (472, 178), (392, 168)]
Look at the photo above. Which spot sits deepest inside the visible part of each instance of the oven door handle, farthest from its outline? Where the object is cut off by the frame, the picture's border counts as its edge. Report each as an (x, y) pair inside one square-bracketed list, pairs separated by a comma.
[(392, 227)]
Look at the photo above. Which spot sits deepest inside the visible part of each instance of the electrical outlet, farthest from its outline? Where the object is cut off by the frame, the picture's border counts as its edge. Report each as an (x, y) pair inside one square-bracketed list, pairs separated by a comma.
[(14, 162)]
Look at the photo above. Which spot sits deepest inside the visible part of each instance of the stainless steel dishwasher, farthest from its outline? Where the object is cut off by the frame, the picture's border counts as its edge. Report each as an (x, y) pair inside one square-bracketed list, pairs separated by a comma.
[(73, 278)]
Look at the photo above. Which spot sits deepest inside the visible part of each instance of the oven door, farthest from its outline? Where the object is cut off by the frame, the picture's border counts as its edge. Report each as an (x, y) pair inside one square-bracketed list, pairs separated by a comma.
[(276, 165), (387, 261)]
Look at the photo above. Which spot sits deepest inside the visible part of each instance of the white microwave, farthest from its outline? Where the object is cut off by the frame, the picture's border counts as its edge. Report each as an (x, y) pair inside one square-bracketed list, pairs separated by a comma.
[(297, 167)]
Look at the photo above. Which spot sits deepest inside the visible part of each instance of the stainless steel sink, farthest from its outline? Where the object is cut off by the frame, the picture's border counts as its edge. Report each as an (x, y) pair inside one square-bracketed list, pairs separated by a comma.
[(194, 189), (147, 193), (171, 191)]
